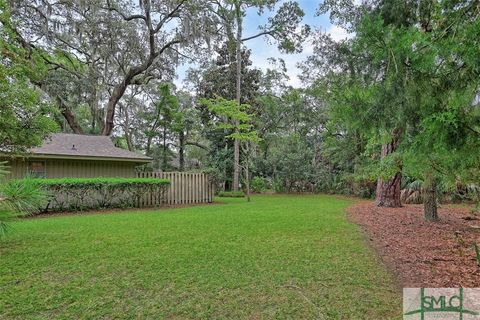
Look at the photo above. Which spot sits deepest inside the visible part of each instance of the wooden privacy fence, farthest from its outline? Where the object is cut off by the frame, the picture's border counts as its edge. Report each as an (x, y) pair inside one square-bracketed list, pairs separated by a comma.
[(185, 188)]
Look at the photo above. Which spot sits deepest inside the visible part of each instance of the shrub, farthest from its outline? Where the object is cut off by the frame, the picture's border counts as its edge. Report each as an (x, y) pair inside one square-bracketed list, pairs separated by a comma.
[(18, 199), (258, 185), (74, 194), (231, 194), (412, 192)]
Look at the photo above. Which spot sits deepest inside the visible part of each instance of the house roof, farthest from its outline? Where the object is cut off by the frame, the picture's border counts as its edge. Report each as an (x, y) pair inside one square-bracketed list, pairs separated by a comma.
[(77, 146)]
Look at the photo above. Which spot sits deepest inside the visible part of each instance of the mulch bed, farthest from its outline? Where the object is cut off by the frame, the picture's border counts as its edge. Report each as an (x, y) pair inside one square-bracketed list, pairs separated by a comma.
[(422, 253)]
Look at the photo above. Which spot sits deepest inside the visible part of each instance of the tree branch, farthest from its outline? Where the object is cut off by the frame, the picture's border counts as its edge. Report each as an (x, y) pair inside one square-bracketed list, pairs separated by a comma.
[(120, 88), (69, 116), (263, 33), (196, 144), (171, 14), (125, 17)]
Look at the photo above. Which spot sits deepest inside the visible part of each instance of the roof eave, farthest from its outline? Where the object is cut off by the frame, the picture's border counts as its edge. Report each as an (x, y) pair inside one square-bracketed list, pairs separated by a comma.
[(74, 157)]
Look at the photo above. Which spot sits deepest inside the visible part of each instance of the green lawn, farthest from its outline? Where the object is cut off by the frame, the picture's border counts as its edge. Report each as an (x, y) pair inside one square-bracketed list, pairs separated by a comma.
[(277, 257)]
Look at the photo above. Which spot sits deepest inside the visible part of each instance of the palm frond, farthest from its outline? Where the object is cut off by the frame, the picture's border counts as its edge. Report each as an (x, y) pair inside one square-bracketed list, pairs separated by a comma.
[(22, 196), (3, 168), (18, 198), (415, 185), (5, 217), (412, 192)]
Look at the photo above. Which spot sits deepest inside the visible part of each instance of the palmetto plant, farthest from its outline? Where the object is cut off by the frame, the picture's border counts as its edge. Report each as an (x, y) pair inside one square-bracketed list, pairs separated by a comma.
[(412, 192), (17, 199)]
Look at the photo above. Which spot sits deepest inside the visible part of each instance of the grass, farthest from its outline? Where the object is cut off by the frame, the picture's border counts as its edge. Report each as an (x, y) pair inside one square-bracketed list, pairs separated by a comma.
[(277, 257)]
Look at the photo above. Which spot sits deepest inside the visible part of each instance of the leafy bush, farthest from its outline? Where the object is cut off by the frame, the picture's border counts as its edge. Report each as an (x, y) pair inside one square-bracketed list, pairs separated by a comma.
[(73, 194), (258, 184), (469, 192), (99, 182), (231, 194)]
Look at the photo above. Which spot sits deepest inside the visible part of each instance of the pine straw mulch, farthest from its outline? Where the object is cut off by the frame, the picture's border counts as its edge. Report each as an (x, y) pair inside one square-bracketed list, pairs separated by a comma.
[(422, 253)]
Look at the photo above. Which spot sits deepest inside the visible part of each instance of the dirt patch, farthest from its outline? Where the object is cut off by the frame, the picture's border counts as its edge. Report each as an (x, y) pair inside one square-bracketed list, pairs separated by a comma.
[(422, 253)]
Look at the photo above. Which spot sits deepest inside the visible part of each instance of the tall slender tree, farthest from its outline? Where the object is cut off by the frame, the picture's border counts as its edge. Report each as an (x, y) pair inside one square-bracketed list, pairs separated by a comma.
[(283, 27)]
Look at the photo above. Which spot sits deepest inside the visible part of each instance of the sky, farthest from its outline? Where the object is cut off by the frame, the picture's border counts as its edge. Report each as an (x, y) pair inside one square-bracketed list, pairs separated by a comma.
[(262, 50)]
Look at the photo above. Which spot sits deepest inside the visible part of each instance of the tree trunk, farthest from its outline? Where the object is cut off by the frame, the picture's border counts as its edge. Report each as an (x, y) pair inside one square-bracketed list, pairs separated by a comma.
[(93, 108), (388, 192), (117, 94), (126, 127), (247, 170), (69, 116), (181, 150), (247, 181), (148, 148), (236, 143), (164, 159), (120, 88), (128, 138), (96, 113), (430, 198)]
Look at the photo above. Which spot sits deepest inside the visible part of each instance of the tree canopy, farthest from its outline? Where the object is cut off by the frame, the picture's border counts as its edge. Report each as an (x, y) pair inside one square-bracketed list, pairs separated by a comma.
[(392, 106)]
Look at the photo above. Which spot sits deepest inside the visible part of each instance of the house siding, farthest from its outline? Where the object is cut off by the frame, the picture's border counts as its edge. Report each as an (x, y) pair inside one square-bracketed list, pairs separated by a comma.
[(60, 168)]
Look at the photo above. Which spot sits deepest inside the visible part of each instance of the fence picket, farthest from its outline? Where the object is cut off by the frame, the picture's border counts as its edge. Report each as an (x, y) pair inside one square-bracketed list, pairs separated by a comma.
[(185, 188), (190, 187)]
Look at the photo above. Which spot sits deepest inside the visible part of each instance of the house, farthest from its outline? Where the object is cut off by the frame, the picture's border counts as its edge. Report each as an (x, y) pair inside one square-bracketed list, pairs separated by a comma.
[(74, 155)]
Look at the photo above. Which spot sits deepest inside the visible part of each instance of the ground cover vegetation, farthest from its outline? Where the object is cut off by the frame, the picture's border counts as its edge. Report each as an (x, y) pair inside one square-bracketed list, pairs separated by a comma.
[(275, 257)]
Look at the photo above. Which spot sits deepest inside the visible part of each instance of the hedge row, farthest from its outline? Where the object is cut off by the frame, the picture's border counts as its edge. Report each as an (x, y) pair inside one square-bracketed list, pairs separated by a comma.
[(75, 194), (100, 182)]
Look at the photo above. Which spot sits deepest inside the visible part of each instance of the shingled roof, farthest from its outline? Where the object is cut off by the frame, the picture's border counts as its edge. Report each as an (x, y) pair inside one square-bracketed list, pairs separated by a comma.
[(64, 145)]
